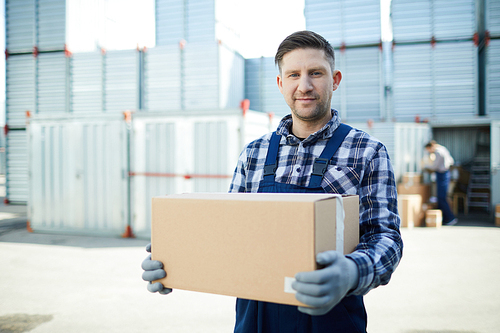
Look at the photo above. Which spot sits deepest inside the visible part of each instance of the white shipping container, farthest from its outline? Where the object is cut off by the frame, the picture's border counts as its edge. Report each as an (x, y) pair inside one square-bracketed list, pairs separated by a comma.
[(77, 174), (16, 166), (186, 152), (492, 83), (20, 25)]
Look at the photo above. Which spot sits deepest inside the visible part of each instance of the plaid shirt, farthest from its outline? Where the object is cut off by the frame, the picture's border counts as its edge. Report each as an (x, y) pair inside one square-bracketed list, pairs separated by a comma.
[(361, 166)]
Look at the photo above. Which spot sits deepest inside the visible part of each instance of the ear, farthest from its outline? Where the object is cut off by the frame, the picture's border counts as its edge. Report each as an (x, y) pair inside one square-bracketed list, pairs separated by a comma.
[(337, 77), (279, 81)]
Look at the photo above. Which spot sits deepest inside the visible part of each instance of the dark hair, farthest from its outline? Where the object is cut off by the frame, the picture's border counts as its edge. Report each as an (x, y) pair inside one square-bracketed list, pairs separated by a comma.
[(302, 40), (430, 144)]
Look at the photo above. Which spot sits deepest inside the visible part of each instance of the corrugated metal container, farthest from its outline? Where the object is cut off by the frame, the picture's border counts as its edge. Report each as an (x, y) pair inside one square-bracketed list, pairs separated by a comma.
[(353, 22), (188, 152), (404, 142), (20, 89), (17, 166), (162, 78), (411, 20), (324, 17), (455, 79), (492, 17), (52, 82), (20, 25), (461, 141), (360, 95), (421, 20), (493, 78), (231, 78), (201, 76), (200, 21), (428, 85), (77, 170), (495, 163), (454, 19), (261, 87), (51, 25), (121, 82), (87, 82), (170, 22)]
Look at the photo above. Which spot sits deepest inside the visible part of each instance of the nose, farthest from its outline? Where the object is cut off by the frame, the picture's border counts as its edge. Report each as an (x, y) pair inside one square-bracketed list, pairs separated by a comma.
[(305, 84)]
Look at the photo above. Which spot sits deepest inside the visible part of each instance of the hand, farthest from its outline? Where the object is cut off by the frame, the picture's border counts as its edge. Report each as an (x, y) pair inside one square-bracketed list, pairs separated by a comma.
[(153, 270), (324, 288)]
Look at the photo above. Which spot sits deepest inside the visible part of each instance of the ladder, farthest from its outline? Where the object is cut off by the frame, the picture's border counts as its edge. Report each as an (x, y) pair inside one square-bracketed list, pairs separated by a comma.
[(478, 191)]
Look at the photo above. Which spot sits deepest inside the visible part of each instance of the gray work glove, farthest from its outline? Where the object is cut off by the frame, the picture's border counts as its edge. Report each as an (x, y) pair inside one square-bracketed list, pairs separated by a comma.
[(153, 270), (324, 288)]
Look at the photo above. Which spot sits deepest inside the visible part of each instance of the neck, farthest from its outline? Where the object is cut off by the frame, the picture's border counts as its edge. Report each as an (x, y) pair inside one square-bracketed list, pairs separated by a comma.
[(303, 128)]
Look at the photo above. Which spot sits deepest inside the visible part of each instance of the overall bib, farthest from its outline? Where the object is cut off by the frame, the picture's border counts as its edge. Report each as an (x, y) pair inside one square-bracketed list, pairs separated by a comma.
[(263, 317)]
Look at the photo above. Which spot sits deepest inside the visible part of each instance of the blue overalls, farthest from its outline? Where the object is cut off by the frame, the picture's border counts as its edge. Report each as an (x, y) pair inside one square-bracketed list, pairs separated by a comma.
[(263, 317)]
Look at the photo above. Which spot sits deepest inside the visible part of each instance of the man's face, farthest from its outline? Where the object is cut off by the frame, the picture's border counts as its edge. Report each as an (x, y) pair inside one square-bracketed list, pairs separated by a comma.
[(307, 83)]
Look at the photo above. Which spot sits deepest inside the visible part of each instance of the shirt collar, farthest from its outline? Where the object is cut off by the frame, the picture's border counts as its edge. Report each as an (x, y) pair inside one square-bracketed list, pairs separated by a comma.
[(325, 133)]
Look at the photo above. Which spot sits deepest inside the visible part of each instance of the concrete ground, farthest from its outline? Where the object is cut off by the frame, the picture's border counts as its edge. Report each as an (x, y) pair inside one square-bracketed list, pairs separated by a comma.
[(448, 281)]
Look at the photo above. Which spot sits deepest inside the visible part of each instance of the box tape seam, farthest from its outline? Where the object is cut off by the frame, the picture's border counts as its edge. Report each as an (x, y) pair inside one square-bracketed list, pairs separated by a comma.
[(340, 225)]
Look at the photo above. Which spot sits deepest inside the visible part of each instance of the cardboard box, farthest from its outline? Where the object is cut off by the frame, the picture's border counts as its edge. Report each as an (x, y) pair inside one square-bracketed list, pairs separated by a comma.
[(433, 218), (411, 178), (423, 190), (410, 210), (248, 245), (497, 215)]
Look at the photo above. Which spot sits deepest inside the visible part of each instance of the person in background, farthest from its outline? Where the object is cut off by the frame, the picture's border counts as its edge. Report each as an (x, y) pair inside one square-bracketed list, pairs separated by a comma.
[(441, 161), (313, 152)]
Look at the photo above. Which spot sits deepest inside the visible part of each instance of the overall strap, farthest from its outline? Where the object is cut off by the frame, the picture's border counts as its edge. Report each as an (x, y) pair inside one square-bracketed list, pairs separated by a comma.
[(271, 159), (321, 163)]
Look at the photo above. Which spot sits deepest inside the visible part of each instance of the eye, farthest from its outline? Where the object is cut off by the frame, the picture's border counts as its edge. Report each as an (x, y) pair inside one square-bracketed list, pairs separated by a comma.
[(316, 73), (294, 75)]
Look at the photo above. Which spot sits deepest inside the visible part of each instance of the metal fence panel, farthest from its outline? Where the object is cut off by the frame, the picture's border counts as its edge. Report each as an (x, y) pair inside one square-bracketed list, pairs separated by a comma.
[(20, 88), (16, 166), (20, 25), (121, 83), (493, 78), (51, 25), (87, 82), (162, 78), (52, 82), (77, 182)]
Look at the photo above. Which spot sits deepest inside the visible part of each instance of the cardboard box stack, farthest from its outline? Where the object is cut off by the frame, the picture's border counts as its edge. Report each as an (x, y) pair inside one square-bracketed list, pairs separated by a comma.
[(497, 215), (413, 200), (433, 218), (248, 245)]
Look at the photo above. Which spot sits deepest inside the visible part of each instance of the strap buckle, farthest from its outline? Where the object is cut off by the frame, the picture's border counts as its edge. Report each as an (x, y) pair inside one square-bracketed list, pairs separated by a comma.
[(319, 167), (270, 169)]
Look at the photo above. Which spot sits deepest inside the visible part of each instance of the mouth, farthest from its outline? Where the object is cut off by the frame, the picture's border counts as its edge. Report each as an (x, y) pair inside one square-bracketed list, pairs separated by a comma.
[(305, 99)]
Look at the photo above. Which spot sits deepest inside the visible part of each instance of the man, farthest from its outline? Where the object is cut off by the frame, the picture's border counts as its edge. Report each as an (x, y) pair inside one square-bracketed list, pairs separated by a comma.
[(312, 152), (441, 161)]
